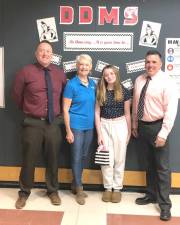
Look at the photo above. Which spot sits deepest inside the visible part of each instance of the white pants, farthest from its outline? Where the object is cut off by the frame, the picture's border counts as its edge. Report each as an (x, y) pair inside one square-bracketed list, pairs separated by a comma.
[(115, 133)]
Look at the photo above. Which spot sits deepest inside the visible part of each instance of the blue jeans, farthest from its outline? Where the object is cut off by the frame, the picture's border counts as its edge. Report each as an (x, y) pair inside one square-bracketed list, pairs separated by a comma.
[(79, 152)]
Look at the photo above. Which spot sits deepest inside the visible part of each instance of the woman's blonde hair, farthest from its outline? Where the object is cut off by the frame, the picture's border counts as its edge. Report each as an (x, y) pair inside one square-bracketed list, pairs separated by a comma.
[(102, 87)]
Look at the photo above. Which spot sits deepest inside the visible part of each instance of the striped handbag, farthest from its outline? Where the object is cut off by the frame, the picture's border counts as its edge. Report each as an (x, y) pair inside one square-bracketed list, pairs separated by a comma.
[(102, 156)]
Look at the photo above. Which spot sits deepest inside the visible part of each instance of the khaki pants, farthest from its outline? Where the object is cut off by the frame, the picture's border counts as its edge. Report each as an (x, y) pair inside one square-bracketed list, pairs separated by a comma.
[(115, 133)]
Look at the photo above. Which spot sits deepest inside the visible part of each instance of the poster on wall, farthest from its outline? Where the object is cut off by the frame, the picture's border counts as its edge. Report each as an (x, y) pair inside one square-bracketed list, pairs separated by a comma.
[(172, 59), (100, 65), (177, 80), (150, 34), (135, 66), (2, 102), (98, 41), (172, 56), (47, 29)]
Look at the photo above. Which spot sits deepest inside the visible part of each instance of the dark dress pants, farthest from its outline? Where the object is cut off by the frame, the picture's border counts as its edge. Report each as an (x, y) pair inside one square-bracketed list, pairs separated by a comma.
[(158, 174), (39, 137)]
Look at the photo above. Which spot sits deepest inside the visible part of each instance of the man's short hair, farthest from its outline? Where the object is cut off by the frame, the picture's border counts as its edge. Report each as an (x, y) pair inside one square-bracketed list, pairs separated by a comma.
[(154, 52), (45, 41)]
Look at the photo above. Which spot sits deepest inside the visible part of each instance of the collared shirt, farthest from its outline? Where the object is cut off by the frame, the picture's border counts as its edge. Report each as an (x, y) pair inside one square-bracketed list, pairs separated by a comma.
[(161, 101), (30, 91), (82, 107)]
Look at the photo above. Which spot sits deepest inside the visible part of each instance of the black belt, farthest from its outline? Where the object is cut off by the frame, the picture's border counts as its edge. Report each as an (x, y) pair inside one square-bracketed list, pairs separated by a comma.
[(38, 118), (150, 122)]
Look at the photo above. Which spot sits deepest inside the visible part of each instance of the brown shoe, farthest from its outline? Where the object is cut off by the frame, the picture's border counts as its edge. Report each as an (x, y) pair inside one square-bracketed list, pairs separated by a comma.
[(21, 202), (116, 197), (106, 196), (55, 199), (80, 196), (73, 190)]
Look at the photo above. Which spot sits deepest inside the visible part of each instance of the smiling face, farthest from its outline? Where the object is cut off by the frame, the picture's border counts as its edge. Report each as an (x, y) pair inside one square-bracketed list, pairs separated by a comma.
[(83, 67), (44, 54), (109, 76), (153, 64)]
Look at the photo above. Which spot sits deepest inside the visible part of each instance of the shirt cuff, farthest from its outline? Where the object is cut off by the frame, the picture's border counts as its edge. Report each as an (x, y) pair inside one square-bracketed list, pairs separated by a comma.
[(163, 134)]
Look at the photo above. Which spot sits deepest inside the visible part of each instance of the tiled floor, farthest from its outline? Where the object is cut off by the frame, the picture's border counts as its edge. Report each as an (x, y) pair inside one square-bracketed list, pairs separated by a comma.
[(114, 219), (93, 212), (29, 217)]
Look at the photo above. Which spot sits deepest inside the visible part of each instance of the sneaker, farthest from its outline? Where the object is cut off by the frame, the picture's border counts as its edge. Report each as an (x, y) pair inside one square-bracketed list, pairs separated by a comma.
[(106, 196), (116, 197), (21, 202), (55, 199)]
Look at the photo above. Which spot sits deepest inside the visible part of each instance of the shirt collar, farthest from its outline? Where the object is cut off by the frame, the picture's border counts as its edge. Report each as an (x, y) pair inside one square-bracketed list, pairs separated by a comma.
[(42, 67), (155, 76), (79, 81)]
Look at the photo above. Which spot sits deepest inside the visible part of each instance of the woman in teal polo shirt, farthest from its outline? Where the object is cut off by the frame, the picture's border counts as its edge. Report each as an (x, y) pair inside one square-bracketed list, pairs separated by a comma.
[(79, 107)]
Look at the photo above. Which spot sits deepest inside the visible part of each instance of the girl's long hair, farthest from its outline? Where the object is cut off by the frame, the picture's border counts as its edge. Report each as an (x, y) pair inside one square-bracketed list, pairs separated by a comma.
[(102, 87)]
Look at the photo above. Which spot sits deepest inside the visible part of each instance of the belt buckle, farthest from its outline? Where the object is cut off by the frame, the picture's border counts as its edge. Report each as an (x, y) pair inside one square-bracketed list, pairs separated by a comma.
[(42, 118)]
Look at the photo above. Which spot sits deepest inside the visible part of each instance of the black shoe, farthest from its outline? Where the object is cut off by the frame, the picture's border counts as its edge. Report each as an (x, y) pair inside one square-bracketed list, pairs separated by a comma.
[(145, 200), (165, 215)]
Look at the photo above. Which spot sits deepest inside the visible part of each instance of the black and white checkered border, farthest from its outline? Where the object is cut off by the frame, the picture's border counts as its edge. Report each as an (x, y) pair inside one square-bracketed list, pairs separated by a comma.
[(56, 61), (97, 34), (134, 63), (128, 84), (99, 62), (65, 64)]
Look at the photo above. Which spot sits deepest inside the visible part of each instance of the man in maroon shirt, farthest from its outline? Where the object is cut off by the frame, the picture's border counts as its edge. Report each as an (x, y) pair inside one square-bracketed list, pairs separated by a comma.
[(32, 94)]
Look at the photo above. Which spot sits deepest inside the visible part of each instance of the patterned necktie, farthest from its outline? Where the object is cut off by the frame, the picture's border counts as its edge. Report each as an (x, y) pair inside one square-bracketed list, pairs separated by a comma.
[(141, 100), (49, 95)]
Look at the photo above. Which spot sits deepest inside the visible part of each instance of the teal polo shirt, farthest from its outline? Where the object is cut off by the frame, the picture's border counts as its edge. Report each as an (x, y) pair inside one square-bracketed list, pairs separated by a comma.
[(82, 107)]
